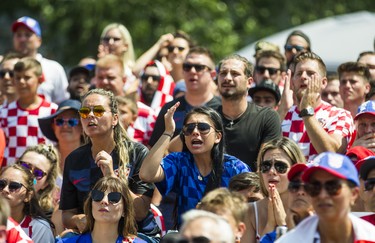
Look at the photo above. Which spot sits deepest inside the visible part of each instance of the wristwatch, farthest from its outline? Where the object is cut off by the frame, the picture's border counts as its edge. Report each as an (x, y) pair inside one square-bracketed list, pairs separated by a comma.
[(308, 111)]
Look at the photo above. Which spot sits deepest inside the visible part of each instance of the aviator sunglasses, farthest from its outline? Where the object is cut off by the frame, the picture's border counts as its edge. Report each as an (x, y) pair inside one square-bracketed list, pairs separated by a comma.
[(333, 187), (98, 111), (72, 122), (280, 166), (12, 185), (262, 69), (3, 72), (145, 77), (37, 172), (203, 128), (113, 197), (198, 67), (291, 47), (369, 184), (294, 186)]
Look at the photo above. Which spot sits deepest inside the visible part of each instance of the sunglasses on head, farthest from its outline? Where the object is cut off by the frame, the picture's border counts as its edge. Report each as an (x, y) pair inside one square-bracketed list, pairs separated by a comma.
[(369, 184), (262, 70), (5, 71), (172, 48), (295, 186), (333, 187), (12, 185), (72, 122), (113, 197), (97, 110), (38, 173), (198, 67), (203, 128), (107, 39), (291, 47), (145, 77), (280, 166)]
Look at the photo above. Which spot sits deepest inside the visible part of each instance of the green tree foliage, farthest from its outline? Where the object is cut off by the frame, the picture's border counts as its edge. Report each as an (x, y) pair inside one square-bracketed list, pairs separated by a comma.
[(71, 28)]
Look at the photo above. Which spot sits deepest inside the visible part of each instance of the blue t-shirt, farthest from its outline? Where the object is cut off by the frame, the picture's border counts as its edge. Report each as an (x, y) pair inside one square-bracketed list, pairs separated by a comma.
[(182, 177), (86, 238)]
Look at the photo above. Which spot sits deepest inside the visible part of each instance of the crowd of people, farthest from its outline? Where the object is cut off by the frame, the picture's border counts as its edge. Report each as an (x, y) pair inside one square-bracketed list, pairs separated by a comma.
[(175, 146)]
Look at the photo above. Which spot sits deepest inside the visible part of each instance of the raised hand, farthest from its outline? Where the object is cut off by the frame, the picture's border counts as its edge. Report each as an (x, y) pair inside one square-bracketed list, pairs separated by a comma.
[(104, 161), (170, 125), (312, 94)]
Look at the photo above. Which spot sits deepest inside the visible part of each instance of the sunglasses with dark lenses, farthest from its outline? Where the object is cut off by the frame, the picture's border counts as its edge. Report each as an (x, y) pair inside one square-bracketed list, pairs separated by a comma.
[(295, 186), (369, 184), (6, 71), (98, 111), (197, 239), (198, 67), (107, 39), (145, 77), (333, 188), (291, 47), (113, 197), (72, 122), (12, 185), (203, 128), (280, 166), (38, 173), (172, 48), (262, 70)]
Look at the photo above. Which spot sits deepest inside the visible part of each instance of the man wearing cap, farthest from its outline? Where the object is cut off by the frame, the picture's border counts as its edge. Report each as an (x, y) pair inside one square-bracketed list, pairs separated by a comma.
[(332, 183), (27, 38), (367, 192), (266, 94), (354, 84), (79, 82), (313, 124), (365, 126)]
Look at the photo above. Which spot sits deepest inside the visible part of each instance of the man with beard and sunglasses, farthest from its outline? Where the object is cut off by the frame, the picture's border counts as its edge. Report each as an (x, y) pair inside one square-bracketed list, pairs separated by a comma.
[(332, 183), (246, 125)]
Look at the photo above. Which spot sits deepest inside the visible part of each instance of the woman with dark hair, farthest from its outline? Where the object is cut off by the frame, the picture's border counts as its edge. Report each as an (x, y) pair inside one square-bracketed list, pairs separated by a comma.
[(108, 152), (17, 186), (110, 214), (200, 168)]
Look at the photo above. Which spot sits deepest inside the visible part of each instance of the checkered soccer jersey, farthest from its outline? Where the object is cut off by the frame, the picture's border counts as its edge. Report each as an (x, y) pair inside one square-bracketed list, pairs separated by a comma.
[(182, 176), (334, 121), (21, 128)]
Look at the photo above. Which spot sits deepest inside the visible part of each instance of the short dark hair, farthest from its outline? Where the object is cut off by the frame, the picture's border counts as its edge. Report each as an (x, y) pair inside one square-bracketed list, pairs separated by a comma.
[(183, 35), (355, 67), (274, 54), (365, 53), (202, 51)]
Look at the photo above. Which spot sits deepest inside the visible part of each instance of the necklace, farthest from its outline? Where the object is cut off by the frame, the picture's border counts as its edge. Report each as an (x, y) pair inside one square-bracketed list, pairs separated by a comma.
[(232, 120)]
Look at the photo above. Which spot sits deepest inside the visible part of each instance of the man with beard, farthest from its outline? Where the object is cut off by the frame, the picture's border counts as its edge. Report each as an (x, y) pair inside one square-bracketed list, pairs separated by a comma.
[(246, 125), (315, 125)]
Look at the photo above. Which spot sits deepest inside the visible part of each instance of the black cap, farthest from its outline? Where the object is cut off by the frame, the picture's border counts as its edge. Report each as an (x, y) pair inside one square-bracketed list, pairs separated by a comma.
[(267, 85), (366, 165), (79, 70)]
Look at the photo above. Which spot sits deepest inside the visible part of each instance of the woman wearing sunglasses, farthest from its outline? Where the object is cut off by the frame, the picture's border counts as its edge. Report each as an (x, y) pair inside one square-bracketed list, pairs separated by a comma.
[(333, 185), (16, 185), (200, 168), (275, 159), (110, 213), (108, 152), (64, 128)]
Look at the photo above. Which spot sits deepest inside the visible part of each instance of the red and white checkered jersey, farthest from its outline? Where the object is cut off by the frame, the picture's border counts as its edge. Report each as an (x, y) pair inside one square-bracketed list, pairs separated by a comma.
[(143, 126), (334, 121), (159, 219), (21, 128), (15, 232)]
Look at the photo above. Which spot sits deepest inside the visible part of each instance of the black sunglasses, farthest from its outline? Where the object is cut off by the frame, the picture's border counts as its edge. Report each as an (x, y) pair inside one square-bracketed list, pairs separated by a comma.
[(280, 166), (38, 173), (3, 72), (291, 47), (203, 128), (333, 187), (294, 186), (369, 184), (98, 111), (107, 39), (72, 122), (12, 185), (113, 197), (198, 67), (262, 70), (171, 48), (145, 77)]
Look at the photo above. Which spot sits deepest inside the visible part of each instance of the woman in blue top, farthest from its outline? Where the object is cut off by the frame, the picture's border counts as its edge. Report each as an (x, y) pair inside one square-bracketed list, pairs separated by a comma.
[(200, 168)]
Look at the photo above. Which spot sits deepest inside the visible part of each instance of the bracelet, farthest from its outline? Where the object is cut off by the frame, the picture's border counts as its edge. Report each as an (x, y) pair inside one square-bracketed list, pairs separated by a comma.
[(167, 134)]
